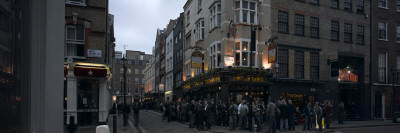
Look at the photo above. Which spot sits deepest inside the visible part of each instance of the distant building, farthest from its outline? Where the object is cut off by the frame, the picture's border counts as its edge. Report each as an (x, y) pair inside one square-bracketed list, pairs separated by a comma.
[(178, 57), (169, 61), (135, 63), (118, 54)]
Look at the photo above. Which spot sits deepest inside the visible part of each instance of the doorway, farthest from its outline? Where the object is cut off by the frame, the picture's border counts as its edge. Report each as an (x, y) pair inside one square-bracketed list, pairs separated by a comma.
[(378, 104)]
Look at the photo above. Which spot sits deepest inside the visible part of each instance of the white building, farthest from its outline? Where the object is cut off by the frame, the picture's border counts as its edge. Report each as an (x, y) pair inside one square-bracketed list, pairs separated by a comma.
[(149, 85), (169, 61)]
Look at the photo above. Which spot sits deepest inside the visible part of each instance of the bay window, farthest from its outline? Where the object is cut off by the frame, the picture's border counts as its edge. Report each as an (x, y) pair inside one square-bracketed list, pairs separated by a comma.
[(242, 54), (215, 55), (215, 17), (246, 12)]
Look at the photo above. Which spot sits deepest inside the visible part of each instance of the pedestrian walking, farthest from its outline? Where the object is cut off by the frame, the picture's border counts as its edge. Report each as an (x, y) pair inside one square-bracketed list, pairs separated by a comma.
[(225, 115), (291, 111), (307, 114), (271, 112), (298, 116), (257, 115), (233, 113), (277, 117), (318, 115)]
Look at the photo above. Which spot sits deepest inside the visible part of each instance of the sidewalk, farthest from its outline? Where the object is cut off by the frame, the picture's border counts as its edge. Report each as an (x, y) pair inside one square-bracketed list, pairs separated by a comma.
[(120, 128), (334, 125)]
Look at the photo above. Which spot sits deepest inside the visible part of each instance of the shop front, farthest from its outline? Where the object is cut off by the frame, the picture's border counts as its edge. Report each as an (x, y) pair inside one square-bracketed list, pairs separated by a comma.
[(87, 98)]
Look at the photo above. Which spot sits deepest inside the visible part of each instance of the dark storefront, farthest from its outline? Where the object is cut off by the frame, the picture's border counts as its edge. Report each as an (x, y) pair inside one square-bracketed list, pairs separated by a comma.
[(352, 90)]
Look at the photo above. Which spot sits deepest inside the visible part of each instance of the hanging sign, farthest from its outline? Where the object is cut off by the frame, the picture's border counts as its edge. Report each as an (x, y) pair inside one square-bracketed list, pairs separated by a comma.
[(197, 59), (272, 53)]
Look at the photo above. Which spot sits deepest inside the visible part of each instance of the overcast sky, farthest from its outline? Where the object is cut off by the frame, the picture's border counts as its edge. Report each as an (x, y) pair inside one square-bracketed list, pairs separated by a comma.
[(136, 21)]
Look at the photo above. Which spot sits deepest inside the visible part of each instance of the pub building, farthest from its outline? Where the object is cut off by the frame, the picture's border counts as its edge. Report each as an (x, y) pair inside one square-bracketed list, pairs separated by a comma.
[(87, 96)]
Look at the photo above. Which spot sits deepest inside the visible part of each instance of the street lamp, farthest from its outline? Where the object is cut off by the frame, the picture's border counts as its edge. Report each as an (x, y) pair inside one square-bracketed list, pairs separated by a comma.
[(161, 87), (125, 115)]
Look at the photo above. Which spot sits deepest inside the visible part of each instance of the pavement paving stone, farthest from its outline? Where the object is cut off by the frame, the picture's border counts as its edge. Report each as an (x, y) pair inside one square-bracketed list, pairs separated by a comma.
[(120, 128)]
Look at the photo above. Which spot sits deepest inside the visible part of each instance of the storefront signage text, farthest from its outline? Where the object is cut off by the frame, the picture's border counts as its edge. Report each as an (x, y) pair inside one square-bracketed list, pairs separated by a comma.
[(347, 76)]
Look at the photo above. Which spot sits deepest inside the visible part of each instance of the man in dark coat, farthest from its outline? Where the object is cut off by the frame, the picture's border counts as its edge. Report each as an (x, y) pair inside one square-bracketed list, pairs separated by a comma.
[(136, 110), (291, 111)]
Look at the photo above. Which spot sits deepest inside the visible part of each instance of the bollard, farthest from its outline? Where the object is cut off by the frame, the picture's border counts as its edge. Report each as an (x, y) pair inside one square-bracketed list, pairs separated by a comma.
[(102, 129), (114, 123)]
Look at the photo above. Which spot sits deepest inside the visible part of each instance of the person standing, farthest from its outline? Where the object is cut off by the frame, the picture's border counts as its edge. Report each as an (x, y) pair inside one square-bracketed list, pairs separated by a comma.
[(257, 115), (233, 112), (307, 114), (291, 111), (341, 113), (225, 115), (271, 112), (200, 117), (136, 110), (327, 113), (244, 111), (192, 113), (298, 116), (284, 115), (318, 115)]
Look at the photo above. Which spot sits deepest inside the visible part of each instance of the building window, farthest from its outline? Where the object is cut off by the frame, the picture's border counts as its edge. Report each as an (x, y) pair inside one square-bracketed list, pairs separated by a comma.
[(143, 80), (283, 60), (335, 4), (75, 40), (4, 22), (136, 71), (129, 71), (215, 55), (360, 6), (187, 17), (382, 67), (314, 27), (299, 25), (215, 16), (315, 2), (348, 5), (348, 33), (382, 25), (242, 54), (299, 64), (335, 30), (382, 4), (314, 65), (283, 22), (76, 2), (136, 80), (121, 70), (246, 12), (398, 33), (199, 5), (199, 30), (360, 34)]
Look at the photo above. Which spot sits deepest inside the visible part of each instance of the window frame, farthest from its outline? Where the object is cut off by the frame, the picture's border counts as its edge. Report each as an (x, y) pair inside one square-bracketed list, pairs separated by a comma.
[(337, 2), (75, 41), (283, 61), (299, 65), (215, 16), (314, 63), (348, 3), (379, 30), (241, 9), (299, 25), (360, 35), (348, 33), (313, 27), (283, 21), (383, 6), (398, 33), (398, 6), (241, 51), (360, 5), (215, 55), (314, 2), (337, 32), (384, 78), (200, 30)]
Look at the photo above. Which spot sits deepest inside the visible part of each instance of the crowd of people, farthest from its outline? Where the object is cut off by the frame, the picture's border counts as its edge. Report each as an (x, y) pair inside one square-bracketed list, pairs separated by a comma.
[(280, 115)]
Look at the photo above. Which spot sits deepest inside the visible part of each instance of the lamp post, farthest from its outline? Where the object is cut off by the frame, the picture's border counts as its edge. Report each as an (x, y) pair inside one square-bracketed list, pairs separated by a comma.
[(161, 85), (125, 115), (114, 98)]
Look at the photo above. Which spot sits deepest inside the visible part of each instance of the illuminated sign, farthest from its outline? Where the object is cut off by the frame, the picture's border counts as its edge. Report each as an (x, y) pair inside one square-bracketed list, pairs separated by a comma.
[(272, 53), (197, 59), (347, 76)]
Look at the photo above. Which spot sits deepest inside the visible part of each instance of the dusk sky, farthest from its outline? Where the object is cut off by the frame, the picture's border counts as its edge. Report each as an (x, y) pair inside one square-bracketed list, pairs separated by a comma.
[(136, 21)]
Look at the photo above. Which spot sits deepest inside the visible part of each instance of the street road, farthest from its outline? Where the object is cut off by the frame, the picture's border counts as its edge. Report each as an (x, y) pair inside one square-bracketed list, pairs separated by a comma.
[(382, 129), (153, 124)]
